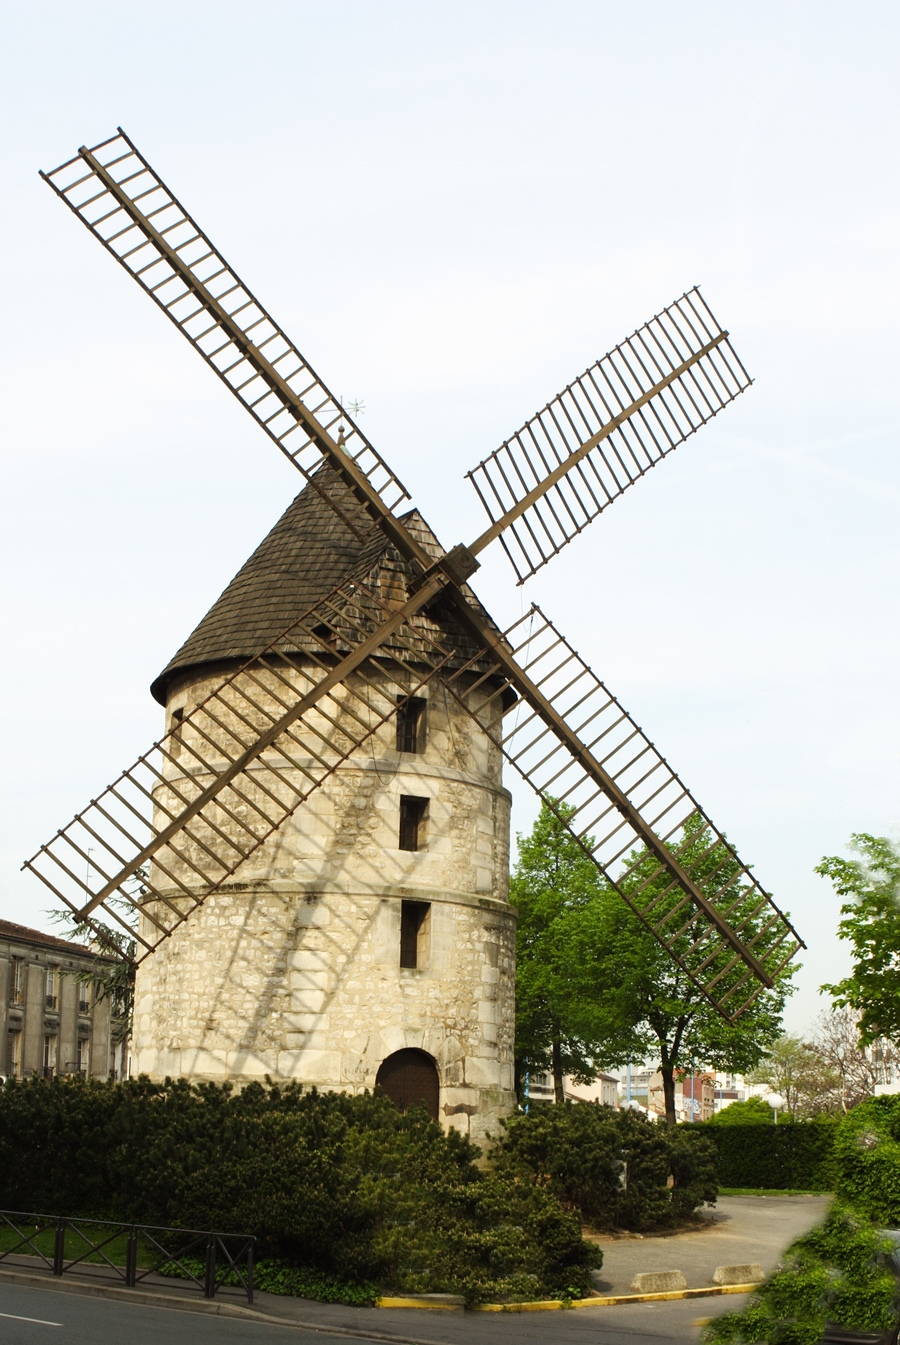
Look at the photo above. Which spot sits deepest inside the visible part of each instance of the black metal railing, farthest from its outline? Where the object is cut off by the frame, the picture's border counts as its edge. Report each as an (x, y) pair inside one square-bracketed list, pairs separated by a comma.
[(224, 1259)]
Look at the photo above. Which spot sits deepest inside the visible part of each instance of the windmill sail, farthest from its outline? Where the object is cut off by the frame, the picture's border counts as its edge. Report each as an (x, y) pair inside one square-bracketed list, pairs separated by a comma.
[(584, 755), (183, 819), (195, 808), (126, 205), (606, 430)]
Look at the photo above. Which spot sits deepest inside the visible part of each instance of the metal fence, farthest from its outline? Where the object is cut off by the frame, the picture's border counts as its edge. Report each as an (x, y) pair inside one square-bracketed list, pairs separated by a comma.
[(92, 1245)]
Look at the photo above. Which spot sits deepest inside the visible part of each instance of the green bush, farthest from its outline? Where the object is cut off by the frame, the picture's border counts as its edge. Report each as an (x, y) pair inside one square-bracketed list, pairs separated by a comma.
[(345, 1186), (280, 1277), (866, 1159), (836, 1273), (613, 1167), (788, 1156)]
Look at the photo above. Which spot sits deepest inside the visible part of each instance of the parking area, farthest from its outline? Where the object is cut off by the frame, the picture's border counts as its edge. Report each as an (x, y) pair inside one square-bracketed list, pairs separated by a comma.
[(741, 1229)]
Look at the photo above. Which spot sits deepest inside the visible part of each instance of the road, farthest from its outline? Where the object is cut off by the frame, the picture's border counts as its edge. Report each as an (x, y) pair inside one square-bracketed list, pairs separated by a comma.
[(742, 1229), (45, 1317)]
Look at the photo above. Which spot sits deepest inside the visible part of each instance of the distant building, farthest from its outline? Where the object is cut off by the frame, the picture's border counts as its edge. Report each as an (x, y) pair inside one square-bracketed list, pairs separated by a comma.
[(52, 1019), (694, 1094), (604, 1089)]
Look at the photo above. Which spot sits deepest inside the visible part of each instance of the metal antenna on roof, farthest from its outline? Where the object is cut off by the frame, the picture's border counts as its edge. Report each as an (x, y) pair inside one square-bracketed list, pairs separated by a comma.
[(573, 743)]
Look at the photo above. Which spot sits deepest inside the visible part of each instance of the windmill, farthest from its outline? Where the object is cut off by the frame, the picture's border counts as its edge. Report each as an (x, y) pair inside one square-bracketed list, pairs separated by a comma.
[(285, 713)]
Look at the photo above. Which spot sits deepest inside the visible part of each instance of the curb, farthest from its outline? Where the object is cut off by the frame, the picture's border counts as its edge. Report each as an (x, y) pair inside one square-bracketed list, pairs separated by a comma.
[(177, 1303), (616, 1300)]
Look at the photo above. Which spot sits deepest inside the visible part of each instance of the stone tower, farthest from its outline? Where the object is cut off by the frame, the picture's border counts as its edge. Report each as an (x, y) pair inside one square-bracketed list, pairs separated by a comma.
[(370, 940)]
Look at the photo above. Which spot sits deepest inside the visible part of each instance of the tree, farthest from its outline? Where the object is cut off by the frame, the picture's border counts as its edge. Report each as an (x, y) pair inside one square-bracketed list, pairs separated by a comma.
[(113, 979), (855, 1069), (871, 924), (675, 1020), (589, 967), (752, 1111), (795, 1069), (562, 1016)]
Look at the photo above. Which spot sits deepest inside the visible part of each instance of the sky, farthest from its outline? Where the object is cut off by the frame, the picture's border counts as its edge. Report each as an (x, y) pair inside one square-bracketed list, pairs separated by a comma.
[(453, 210)]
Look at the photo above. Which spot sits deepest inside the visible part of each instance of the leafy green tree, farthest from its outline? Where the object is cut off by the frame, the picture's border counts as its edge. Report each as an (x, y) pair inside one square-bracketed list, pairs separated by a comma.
[(675, 1021), (870, 885), (595, 988), (563, 1019), (752, 1111)]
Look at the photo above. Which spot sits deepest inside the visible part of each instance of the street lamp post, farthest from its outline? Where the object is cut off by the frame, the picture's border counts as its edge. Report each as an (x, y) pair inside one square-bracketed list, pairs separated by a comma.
[(776, 1102)]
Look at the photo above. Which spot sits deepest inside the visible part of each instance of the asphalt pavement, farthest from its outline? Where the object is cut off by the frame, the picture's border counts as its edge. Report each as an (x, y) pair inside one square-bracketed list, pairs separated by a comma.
[(740, 1229), (737, 1230), (43, 1317)]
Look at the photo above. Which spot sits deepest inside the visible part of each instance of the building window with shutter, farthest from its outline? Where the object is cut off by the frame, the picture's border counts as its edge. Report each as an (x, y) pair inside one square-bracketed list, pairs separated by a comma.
[(83, 1055), (414, 923), (51, 1046), (411, 723), (14, 1052), (84, 995), (17, 981), (51, 988), (412, 822)]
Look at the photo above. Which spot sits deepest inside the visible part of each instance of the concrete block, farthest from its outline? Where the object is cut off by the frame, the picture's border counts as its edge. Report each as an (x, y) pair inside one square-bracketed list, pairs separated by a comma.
[(751, 1272), (658, 1282)]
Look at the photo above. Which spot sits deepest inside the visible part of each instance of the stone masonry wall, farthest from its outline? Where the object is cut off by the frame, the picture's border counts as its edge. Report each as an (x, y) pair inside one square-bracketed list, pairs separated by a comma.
[(293, 970)]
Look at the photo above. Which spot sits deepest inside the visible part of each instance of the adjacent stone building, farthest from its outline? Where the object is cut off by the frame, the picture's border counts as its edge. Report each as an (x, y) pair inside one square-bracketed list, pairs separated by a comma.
[(52, 1019), (370, 940)]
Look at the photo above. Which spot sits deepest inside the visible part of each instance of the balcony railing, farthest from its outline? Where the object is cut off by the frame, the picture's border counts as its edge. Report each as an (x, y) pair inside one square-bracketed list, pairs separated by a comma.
[(51, 1001)]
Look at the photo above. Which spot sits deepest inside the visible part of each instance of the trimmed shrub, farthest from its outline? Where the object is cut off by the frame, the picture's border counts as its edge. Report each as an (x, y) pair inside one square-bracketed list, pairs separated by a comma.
[(613, 1167), (346, 1186), (788, 1156)]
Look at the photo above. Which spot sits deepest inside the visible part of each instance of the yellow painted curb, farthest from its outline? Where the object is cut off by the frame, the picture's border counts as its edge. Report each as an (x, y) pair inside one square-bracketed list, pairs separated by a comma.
[(558, 1304), (416, 1303)]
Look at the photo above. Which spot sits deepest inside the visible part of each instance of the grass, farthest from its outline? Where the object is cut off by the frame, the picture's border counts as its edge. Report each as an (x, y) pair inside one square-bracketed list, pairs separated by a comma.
[(76, 1246)]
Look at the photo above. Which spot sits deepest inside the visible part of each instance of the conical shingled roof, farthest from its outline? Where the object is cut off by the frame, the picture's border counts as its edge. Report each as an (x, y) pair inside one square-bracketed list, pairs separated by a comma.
[(308, 553)]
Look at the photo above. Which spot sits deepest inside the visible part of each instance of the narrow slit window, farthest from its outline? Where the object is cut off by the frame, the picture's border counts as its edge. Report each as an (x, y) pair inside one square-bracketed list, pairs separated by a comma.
[(411, 723), (414, 933), (177, 718), (412, 819)]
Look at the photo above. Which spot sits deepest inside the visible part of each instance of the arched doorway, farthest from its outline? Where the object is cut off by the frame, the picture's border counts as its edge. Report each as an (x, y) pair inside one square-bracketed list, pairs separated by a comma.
[(410, 1079)]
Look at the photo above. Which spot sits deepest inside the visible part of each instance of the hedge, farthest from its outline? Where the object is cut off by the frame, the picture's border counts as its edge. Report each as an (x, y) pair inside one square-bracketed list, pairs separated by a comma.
[(343, 1185), (843, 1271), (789, 1156)]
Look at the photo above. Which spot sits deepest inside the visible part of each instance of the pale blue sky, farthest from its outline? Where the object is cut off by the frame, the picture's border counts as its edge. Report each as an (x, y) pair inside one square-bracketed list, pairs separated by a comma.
[(453, 210)]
